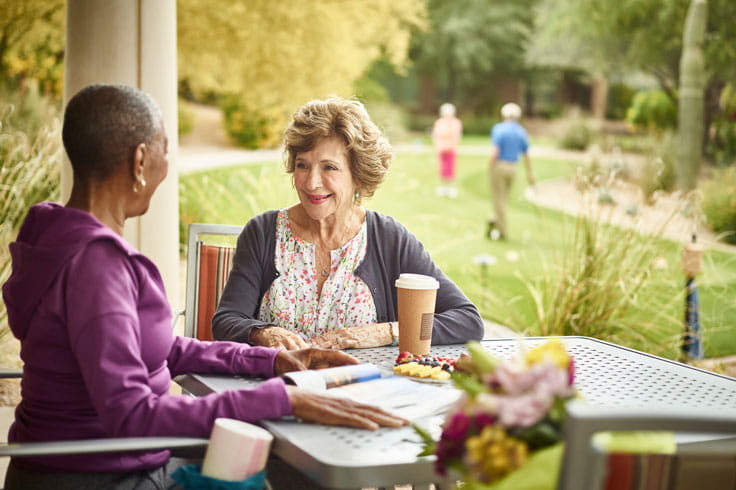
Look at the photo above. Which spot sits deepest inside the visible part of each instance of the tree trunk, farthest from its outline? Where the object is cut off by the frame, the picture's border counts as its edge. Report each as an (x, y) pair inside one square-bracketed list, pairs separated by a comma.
[(427, 94), (599, 96)]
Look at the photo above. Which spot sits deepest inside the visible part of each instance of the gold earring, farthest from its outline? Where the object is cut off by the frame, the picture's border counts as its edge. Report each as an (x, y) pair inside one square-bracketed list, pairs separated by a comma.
[(139, 185)]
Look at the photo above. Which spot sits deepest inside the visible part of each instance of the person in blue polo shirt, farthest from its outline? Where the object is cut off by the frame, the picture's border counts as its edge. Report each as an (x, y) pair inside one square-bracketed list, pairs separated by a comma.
[(510, 142)]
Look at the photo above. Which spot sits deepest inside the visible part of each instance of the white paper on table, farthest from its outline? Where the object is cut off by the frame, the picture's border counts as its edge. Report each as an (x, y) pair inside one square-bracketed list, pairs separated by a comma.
[(401, 396)]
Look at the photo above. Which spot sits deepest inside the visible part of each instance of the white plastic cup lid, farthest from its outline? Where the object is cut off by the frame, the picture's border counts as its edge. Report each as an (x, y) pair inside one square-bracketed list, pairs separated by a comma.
[(417, 281)]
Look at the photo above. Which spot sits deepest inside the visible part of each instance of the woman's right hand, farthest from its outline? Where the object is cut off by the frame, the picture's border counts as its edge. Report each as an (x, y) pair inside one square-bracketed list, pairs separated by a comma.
[(324, 409), (277, 337)]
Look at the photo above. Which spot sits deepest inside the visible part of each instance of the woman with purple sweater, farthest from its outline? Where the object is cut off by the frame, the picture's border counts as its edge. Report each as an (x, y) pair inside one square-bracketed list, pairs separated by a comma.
[(95, 327)]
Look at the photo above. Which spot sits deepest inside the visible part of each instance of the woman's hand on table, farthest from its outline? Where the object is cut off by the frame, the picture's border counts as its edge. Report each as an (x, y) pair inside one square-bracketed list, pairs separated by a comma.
[(277, 337), (374, 335), (311, 358), (319, 408)]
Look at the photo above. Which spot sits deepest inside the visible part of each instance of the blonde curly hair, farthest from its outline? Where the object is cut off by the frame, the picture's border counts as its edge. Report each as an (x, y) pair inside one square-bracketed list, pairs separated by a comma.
[(369, 152)]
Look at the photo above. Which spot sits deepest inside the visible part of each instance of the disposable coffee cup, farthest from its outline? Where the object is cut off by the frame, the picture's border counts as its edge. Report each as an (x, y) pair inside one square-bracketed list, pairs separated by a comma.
[(416, 296), (236, 450)]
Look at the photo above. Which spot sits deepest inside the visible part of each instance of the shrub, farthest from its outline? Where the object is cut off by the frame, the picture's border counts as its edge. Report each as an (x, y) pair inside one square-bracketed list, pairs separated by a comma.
[(658, 172), (186, 119), (719, 202), (421, 123), (369, 90), (249, 125), (30, 154), (576, 135), (602, 284), (652, 109), (478, 125), (724, 146), (390, 119), (723, 143), (619, 99)]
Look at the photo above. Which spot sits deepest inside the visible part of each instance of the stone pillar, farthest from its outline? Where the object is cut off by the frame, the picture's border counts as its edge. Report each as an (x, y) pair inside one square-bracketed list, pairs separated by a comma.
[(133, 42)]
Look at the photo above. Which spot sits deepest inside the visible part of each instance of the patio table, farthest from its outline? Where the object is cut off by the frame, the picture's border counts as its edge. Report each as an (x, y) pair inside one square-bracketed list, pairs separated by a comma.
[(606, 375)]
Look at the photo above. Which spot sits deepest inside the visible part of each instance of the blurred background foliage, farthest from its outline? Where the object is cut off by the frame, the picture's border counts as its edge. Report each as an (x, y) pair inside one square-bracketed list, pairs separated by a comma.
[(274, 56), (32, 44), (259, 60), (30, 156)]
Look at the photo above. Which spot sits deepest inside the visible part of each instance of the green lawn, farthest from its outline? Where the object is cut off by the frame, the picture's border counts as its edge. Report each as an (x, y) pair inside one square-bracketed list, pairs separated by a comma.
[(453, 231)]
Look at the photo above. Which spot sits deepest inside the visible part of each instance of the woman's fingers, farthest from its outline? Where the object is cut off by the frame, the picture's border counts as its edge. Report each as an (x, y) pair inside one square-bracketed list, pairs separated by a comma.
[(310, 358), (375, 414), (278, 337), (293, 342), (323, 358), (286, 363), (330, 410)]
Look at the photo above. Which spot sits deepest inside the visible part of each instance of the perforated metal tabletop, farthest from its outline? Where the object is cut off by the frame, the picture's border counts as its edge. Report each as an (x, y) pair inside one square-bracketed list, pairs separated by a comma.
[(606, 375)]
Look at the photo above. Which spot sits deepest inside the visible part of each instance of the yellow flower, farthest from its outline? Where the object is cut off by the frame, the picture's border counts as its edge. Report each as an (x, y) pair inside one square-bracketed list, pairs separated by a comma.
[(493, 454), (552, 350)]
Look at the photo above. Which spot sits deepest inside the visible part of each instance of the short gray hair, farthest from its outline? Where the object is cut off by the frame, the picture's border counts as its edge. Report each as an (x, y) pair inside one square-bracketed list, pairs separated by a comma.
[(103, 125), (447, 109), (511, 111)]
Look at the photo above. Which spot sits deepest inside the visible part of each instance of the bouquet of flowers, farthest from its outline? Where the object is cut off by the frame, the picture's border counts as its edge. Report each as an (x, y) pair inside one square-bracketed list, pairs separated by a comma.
[(509, 410)]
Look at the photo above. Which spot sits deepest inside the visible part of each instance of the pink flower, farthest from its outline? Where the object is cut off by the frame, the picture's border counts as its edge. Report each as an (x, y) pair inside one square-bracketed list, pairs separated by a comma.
[(517, 410), (521, 396), (546, 377)]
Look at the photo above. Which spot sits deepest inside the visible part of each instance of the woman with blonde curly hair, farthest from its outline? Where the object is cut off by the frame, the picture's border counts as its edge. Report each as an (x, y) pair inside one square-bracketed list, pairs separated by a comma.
[(322, 271)]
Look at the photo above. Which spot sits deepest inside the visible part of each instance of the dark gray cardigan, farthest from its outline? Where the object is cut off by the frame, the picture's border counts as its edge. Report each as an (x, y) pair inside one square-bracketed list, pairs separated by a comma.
[(391, 250)]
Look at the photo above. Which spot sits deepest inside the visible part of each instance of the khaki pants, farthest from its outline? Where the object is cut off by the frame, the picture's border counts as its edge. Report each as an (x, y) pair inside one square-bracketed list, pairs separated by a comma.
[(502, 178)]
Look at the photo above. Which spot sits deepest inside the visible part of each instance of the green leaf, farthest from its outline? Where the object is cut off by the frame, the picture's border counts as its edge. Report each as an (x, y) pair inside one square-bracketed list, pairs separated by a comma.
[(543, 434), (468, 383), (483, 360), (430, 446)]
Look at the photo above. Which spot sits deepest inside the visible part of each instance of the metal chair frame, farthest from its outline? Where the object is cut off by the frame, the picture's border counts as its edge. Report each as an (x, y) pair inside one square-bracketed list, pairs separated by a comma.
[(583, 465), (196, 230)]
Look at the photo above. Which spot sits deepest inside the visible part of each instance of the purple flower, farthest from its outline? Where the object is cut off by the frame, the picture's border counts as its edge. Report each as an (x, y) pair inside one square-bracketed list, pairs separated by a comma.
[(451, 445), (483, 419), (571, 371), (458, 427)]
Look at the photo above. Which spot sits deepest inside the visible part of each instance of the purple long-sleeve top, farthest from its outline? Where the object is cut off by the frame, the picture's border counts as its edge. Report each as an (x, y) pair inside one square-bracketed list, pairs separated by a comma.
[(99, 352)]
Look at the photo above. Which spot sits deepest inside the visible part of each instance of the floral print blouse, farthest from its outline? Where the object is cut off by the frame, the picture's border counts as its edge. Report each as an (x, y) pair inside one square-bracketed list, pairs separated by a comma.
[(293, 301)]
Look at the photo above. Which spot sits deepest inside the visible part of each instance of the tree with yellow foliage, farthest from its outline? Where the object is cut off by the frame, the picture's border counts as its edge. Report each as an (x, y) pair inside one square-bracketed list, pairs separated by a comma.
[(271, 56), (32, 42)]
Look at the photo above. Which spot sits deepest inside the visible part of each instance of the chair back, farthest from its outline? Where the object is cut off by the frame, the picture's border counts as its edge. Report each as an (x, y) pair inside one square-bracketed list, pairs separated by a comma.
[(705, 456), (208, 267)]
